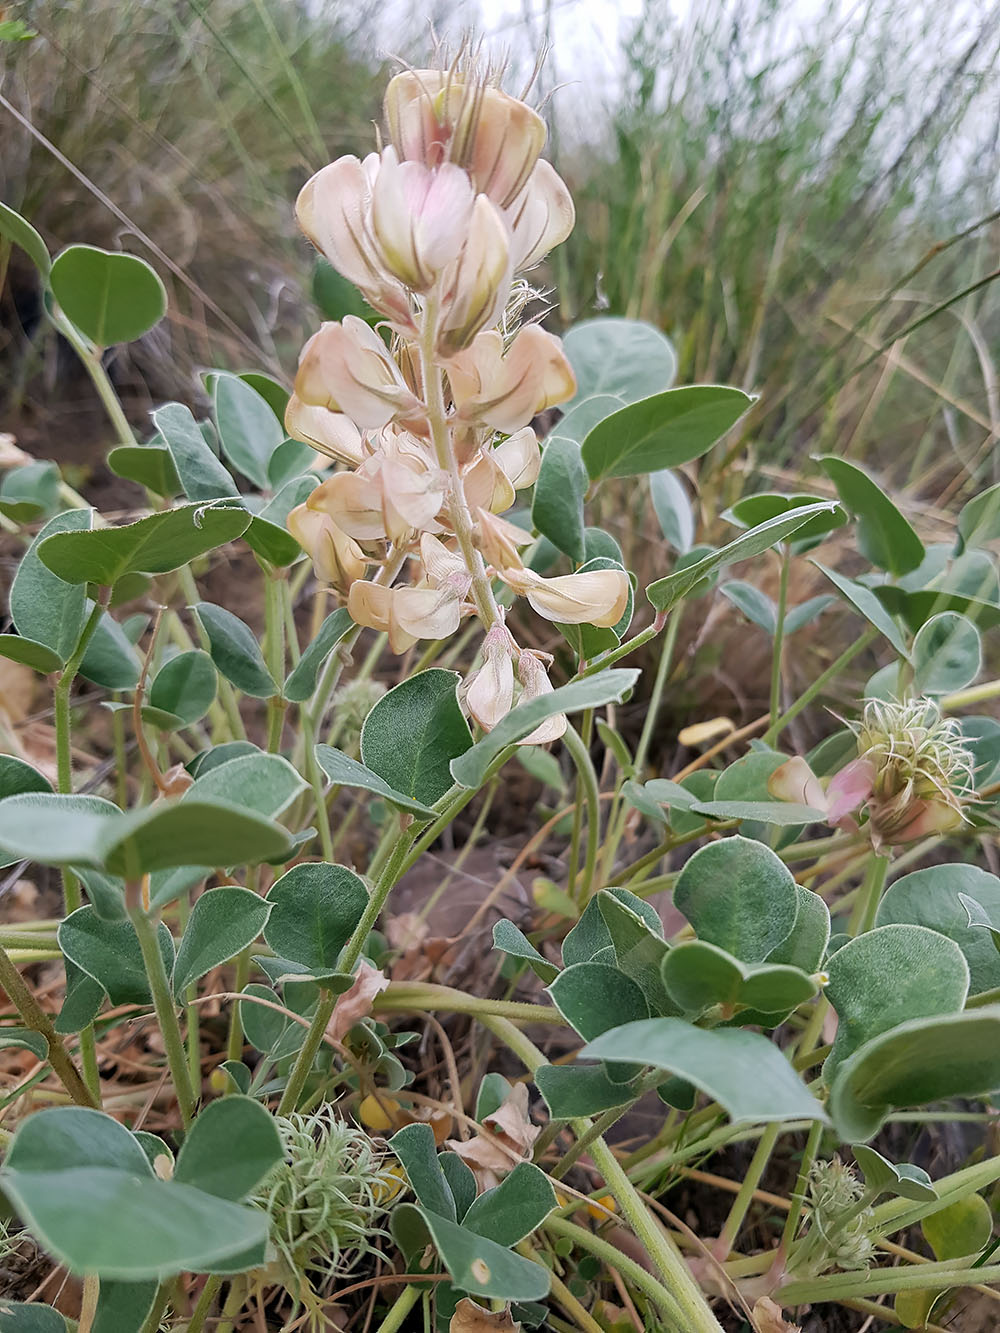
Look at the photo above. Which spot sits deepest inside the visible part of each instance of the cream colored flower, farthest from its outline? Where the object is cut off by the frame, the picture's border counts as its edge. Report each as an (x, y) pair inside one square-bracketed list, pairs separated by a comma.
[(329, 433), (541, 217), (474, 289), (489, 694), (346, 367), (419, 217), (333, 210), (438, 115), (596, 597), (499, 540), (506, 389), (336, 557), (535, 681)]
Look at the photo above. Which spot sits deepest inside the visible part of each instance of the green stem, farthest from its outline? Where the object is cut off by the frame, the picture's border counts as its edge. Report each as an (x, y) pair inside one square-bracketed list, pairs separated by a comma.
[(456, 504), (779, 641), (591, 793), (91, 358), (743, 1200), (680, 1287), (348, 961), (234, 1041), (613, 1258), (798, 1198), (866, 907), (64, 735), (656, 698), (376, 901), (274, 642), (38, 1020), (154, 1319), (401, 1307), (884, 1281), (403, 996), (199, 1314), (832, 671), (166, 1013)]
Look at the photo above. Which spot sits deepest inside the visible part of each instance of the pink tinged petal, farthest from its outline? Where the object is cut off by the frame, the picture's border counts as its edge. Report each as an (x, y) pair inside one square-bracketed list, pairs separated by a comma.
[(486, 486), (425, 613), (442, 566), (411, 496), (506, 391), (445, 216), (354, 501), (357, 1002), (535, 680), (499, 540), (520, 458), (330, 433), (849, 789), (490, 693), (416, 132), (420, 218), (498, 139), (927, 818), (795, 781), (331, 209), (346, 367), (541, 217), (598, 597), (369, 605), (474, 289), (337, 559)]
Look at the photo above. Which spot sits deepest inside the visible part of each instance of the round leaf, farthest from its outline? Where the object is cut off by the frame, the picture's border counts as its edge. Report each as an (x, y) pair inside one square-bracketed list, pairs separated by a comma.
[(738, 895), (924, 1060), (888, 976), (947, 654), (932, 898), (231, 1147), (315, 908), (627, 357), (109, 296), (414, 732)]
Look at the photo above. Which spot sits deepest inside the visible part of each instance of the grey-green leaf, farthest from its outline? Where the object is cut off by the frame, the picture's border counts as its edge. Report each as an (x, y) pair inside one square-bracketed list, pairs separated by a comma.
[(595, 691), (413, 734), (662, 431), (223, 922), (744, 1072), (665, 592), (235, 651)]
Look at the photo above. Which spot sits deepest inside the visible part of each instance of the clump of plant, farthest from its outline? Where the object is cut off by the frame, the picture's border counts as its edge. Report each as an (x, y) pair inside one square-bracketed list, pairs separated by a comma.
[(229, 876), (327, 1199)]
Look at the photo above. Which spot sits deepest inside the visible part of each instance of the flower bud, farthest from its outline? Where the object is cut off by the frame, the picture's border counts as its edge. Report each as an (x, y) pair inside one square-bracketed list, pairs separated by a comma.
[(520, 458), (535, 680), (346, 367), (336, 557), (489, 694), (420, 218), (506, 391), (329, 433), (433, 114), (474, 289), (598, 597)]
